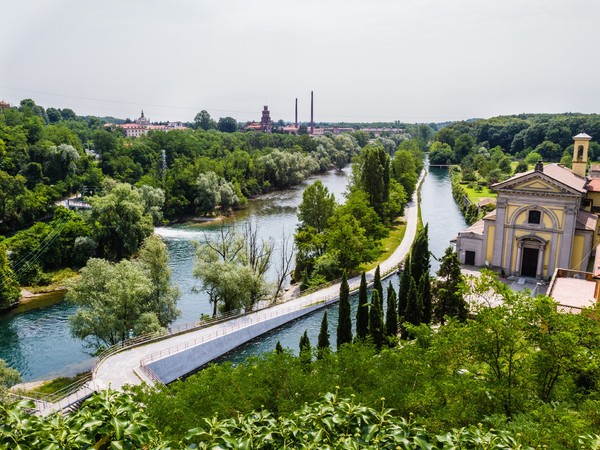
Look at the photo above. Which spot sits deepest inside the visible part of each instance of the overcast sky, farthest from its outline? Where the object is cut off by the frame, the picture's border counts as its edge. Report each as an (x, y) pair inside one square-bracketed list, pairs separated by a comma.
[(407, 60)]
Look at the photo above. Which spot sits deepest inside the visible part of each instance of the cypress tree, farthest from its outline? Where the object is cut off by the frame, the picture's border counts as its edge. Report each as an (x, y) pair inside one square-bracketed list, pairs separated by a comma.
[(419, 255), (414, 307), (278, 348), (323, 342), (344, 328), (391, 314), (376, 320), (362, 311), (404, 288), (425, 293), (448, 296), (305, 347), (377, 283)]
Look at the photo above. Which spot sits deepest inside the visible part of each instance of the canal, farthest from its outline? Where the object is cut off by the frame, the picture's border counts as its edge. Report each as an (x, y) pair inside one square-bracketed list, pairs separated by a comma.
[(38, 343)]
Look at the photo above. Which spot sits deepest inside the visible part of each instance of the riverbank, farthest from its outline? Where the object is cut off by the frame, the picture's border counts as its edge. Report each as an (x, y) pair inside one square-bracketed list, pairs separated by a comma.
[(124, 367)]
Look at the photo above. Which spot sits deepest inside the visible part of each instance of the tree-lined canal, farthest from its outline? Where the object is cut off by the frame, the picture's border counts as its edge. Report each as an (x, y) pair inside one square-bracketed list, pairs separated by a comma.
[(38, 343)]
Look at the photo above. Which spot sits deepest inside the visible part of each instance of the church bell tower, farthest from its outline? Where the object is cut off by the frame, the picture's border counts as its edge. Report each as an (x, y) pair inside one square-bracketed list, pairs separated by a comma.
[(580, 153)]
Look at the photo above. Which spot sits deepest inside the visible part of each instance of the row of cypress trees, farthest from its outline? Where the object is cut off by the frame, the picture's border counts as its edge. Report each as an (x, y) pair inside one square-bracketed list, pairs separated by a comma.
[(413, 305)]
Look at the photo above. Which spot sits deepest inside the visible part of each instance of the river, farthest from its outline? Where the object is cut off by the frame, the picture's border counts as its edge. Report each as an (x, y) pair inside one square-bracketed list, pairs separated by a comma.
[(37, 342)]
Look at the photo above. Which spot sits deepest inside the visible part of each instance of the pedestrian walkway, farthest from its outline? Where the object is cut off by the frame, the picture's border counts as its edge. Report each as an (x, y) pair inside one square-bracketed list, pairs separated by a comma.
[(171, 356)]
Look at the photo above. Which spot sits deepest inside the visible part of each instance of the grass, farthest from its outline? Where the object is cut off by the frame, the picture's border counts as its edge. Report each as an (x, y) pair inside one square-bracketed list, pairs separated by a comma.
[(389, 244), (52, 386), (57, 279), (475, 196)]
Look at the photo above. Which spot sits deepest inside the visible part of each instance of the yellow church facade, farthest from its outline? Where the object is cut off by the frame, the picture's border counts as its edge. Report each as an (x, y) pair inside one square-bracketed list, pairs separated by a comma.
[(543, 220)]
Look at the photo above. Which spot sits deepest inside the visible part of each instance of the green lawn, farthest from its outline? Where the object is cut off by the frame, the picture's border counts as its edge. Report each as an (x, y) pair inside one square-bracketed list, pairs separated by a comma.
[(389, 244), (475, 196)]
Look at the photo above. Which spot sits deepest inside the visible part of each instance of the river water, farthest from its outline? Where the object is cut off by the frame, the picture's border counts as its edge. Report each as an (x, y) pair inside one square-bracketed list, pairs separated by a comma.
[(37, 342)]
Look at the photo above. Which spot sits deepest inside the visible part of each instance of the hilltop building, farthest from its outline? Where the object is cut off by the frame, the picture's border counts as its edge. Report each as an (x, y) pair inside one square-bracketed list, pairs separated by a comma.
[(142, 125), (545, 220)]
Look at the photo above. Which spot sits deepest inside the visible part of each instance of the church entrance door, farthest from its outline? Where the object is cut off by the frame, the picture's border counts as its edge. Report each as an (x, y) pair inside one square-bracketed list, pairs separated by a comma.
[(530, 261)]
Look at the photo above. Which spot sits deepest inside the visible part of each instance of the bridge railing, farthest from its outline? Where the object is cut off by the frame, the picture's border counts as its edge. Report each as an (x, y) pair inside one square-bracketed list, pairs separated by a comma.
[(60, 399), (252, 318), (157, 336)]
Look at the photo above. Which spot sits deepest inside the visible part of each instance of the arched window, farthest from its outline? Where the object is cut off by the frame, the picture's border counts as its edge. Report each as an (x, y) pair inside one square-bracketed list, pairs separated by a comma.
[(580, 153)]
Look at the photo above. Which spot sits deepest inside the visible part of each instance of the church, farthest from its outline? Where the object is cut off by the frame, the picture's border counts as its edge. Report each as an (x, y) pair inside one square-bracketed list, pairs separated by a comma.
[(544, 220)]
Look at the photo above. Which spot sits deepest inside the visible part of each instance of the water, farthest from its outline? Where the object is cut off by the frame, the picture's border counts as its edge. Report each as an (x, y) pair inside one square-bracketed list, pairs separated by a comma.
[(440, 211), (38, 342), (444, 224)]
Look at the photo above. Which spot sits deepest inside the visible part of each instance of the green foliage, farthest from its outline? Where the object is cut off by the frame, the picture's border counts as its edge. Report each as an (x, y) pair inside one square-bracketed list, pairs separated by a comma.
[(9, 286), (323, 344), (232, 268), (376, 325), (391, 313), (129, 297), (105, 421), (344, 327), (121, 220), (448, 295), (374, 176), (516, 366), (362, 310), (316, 208)]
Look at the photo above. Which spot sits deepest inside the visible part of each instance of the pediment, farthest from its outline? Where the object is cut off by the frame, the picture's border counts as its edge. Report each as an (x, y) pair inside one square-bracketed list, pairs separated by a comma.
[(535, 183)]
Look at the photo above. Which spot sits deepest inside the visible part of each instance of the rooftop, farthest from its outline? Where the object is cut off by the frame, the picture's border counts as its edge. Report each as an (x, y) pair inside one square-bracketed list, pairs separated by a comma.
[(573, 289)]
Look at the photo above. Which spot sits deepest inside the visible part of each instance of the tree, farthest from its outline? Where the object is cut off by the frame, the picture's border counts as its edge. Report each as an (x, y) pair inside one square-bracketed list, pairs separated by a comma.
[(286, 256), (111, 300), (374, 176), (344, 328), (232, 273), (377, 282), (9, 287), (425, 293), (376, 330), (362, 310), (121, 221), (317, 207), (391, 313), (227, 125), (414, 307), (404, 171), (8, 376), (323, 341), (278, 347), (441, 153), (305, 347), (213, 191), (403, 291), (448, 297), (154, 259), (204, 121), (419, 255)]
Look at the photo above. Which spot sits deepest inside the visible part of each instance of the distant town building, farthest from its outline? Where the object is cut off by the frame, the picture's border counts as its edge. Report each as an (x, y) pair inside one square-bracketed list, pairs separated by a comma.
[(4, 105), (265, 125), (142, 125)]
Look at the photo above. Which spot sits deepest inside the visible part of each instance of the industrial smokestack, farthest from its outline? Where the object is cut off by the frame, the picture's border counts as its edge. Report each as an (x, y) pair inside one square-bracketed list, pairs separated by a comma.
[(296, 122), (312, 116)]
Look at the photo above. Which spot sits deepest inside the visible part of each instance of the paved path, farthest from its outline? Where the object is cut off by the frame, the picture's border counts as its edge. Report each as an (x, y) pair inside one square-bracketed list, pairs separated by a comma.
[(124, 367)]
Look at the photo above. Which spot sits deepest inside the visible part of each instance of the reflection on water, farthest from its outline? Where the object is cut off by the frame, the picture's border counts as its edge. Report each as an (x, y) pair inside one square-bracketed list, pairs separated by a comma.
[(440, 211), (38, 342)]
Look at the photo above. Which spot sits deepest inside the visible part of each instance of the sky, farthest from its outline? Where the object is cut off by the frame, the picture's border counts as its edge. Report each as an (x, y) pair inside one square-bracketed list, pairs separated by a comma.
[(375, 60)]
